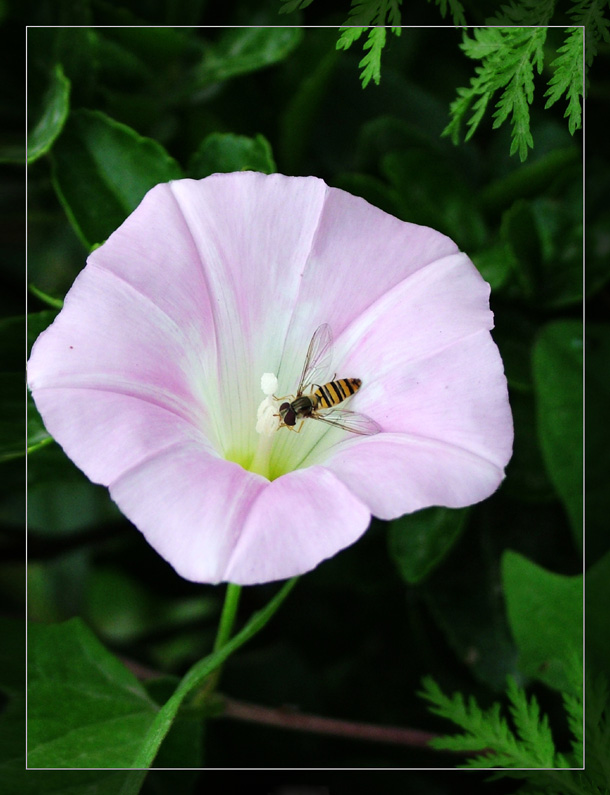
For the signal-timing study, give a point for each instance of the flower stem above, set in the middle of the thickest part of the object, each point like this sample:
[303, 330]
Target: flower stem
[199, 673]
[225, 627]
[227, 618]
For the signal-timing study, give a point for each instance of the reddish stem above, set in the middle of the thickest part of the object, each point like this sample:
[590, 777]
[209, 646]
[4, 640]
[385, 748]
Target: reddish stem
[289, 718]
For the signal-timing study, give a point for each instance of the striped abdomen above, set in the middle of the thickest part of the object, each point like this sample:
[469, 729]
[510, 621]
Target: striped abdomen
[335, 392]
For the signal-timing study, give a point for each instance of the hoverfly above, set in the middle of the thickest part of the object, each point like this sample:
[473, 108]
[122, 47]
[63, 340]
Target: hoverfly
[325, 396]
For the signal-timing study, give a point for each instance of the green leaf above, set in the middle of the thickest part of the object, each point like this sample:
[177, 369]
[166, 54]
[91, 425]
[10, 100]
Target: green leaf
[78, 50]
[243, 50]
[102, 170]
[519, 231]
[529, 179]
[597, 438]
[55, 112]
[597, 732]
[597, 596]
[183, 745]
[12, 388]
[158, 47]
[85, 709]
[524, 12]
[495, 264]
[545, 236]
[463, 596]
[545, 613]
[557, 363]
[12, 717]
[288, 6]
[123, 610]
[61, 499]
[433, 194]
[526, 477]
[420, 541]
[224, 152]
[301, 114]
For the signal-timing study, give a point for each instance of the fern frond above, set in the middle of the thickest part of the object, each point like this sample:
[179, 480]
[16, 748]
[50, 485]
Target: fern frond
[597, 726]
[362, 15]
[456, 9]
[288, 6]
[590, 13]
[533, 729]
[568, 77]
[530, 745]
[508, 58]
[524, 12]
[371, 63]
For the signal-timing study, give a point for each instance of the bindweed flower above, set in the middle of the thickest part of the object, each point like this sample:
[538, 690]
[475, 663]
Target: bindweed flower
[162, 375]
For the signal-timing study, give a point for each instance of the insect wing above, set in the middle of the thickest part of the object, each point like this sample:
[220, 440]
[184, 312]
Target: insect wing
[317, 360]
[350, 421]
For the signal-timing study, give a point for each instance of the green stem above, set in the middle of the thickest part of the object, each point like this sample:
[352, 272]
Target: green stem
[225, 627]
[198, 673]
[56, 303]
[227, 618]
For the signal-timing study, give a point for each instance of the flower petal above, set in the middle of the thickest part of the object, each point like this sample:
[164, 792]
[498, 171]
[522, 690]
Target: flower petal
[180, 498]
[150, 376]
[191, 506]
[120, 342]
[297, 521]
[416, 473]
[358, 255]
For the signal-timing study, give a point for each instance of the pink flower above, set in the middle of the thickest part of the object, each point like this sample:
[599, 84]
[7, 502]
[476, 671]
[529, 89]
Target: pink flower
[150, 377]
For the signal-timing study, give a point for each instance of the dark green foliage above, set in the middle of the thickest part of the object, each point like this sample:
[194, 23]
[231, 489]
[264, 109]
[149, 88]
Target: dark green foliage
[509, 58]
[444, 594]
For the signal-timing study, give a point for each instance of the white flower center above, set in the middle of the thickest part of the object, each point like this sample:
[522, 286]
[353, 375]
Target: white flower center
[267, 414]
[267, 423]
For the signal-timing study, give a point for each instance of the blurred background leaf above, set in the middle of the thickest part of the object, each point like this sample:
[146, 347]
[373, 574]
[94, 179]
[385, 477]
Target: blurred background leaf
[54, 114]
[102, 169]
[558, 375]
[545, 611]
[226, 152]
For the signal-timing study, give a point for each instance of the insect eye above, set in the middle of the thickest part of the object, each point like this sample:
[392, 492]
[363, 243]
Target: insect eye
[284, 406]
